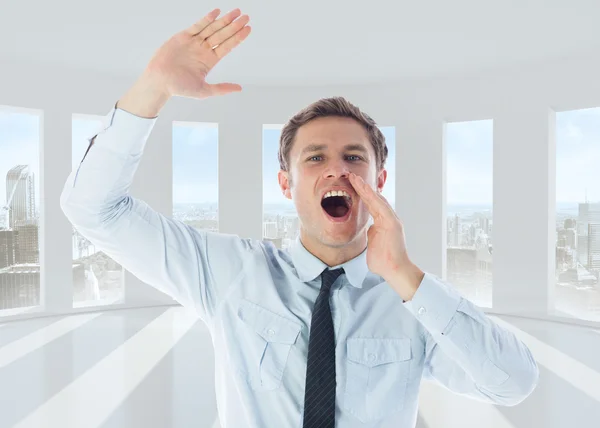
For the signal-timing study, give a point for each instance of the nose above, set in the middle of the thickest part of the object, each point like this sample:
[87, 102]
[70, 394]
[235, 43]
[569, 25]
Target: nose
[337, 169]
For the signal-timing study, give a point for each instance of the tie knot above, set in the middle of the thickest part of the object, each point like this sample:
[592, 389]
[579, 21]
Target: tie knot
[329, 276]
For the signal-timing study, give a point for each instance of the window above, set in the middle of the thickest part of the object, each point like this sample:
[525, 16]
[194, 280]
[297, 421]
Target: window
[389, 188]
[578, 214]
[19, 210]
[469, 156]
[196, 175]
[280, 219]
[97, 278]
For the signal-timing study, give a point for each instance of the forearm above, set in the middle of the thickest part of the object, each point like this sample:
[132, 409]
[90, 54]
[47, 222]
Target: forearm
[145, 98]
[471, 352]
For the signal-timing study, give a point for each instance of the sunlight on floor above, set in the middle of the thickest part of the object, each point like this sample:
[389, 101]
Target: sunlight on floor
[127, 365]
[39, 338]
[568, 368]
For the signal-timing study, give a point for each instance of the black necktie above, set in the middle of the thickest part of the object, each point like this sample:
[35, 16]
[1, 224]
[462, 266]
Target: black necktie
[319, 395]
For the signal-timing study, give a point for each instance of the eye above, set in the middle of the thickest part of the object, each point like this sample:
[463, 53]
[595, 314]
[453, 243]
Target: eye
[355, 156]
[312, 157]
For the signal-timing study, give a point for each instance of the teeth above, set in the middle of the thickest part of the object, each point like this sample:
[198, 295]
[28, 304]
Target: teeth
[337, 193]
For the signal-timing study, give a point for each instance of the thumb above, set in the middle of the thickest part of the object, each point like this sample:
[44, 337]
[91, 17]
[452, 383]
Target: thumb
[222, 88]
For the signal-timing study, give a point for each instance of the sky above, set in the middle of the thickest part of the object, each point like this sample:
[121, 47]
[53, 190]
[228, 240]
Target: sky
[195, 163]
[469, 157]
[578, 155]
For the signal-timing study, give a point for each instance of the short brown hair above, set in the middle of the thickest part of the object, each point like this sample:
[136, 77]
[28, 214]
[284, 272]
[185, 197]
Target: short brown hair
[325, 107]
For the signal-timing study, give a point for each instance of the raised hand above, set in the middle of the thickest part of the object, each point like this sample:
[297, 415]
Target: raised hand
[182, 63]
[386, 244]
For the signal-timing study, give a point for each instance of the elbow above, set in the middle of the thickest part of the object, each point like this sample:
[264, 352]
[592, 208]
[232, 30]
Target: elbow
[83, 214]
[519, 386]
[527, 384]
[64, 203]
[71, 210]
[88, 210]
[66, 206]
[66, 200]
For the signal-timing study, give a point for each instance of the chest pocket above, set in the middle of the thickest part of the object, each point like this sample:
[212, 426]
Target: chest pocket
[266, 346]
[377, 374]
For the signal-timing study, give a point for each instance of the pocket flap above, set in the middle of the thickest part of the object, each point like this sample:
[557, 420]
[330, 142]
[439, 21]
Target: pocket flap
[375, 351]
[271, 326]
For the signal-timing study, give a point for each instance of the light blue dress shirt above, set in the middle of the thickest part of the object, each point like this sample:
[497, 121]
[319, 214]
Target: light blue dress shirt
[257, 302]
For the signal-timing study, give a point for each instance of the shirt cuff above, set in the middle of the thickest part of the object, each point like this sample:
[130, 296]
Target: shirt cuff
[434, 304]
[124, 132]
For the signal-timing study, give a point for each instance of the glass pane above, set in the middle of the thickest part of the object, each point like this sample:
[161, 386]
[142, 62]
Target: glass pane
[196, 175]
[280, 218]
[97, 278]
[389, 188]
[469, 156]
[19, 211]
[578, 214]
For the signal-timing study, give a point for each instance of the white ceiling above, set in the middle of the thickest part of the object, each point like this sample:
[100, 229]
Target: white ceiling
[309, 41]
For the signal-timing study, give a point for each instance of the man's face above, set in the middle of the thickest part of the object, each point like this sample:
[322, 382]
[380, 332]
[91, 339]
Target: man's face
[324, 153]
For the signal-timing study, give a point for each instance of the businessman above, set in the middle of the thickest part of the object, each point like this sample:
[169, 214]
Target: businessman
[338, 331]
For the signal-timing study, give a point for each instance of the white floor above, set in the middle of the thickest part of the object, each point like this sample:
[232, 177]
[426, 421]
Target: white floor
[154, 368]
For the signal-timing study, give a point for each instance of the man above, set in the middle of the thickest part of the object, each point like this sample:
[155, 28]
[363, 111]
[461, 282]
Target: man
[340, 330]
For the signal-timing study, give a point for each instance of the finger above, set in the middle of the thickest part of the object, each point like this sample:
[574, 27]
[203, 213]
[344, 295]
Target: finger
[222, 88]
[215, 26]
[375, 204]
[232, 42]
[364, 192]
[203, 23]
[227, 31]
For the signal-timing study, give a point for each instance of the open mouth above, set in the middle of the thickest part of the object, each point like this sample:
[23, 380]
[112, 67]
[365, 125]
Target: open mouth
[337, 207]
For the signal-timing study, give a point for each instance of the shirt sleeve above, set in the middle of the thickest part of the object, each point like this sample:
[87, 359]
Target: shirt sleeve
[194, 267]
[467, 352]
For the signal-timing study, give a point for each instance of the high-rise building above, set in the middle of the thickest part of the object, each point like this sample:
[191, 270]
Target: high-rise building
[570, 223]
[19, 286]
[7, 248]
[588, 213]
[20, 196]
[27, 245]
[593, 246]
[270, 229]
[19, 245]
[484, 224]
[292, 228]
[456, 228]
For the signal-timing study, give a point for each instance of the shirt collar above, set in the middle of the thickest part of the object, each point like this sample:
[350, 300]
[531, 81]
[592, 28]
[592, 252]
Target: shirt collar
[310, 267]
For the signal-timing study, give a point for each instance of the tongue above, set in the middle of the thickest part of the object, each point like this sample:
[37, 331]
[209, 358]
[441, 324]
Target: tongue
[337, 211]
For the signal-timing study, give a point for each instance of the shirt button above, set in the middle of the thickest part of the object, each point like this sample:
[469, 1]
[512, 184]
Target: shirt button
[270, 332]
[422, 310]
[372, 357]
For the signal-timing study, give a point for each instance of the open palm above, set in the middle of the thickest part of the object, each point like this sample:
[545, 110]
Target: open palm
[183, 62]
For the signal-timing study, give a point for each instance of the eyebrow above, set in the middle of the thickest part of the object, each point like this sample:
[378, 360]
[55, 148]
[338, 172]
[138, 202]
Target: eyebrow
[316, 147]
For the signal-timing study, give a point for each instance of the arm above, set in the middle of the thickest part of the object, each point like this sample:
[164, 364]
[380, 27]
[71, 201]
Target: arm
[187, 264]
[191, 266]
[467, 352]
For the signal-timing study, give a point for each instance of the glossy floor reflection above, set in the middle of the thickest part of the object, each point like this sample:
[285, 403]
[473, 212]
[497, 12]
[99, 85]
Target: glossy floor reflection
[153, 368]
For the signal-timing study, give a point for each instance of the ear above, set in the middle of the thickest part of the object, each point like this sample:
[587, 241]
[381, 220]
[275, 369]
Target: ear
[381, 178]
[284, 183]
